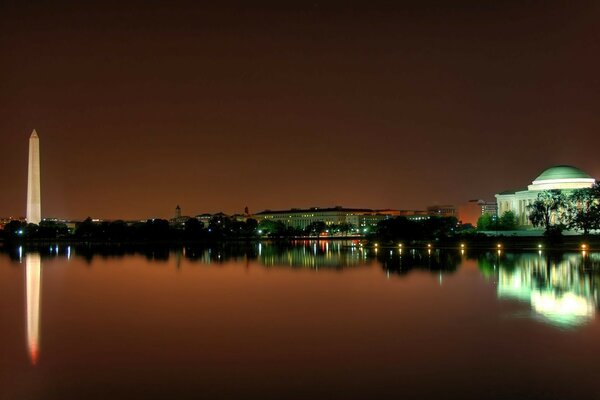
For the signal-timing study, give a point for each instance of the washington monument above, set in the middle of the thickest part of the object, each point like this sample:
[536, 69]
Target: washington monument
[34, 200]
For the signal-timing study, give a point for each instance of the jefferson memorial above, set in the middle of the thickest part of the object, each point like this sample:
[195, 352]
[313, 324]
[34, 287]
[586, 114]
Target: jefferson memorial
[562, 177]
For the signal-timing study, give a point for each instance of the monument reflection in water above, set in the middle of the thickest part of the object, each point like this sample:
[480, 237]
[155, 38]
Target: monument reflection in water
[33, 279]
[561, 289]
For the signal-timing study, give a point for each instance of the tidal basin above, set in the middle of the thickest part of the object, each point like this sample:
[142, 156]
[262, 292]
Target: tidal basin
[306, 320]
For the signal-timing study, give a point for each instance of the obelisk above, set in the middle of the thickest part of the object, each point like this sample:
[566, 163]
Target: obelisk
[34, 201]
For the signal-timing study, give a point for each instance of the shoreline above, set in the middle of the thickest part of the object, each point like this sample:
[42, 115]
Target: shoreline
[504, 243]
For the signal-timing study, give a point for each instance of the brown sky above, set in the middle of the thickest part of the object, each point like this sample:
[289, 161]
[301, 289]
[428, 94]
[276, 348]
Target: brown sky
[142, 106]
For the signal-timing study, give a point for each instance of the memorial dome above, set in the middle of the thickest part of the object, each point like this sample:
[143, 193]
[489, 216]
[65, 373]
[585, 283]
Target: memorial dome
[562, 177]
[562, 172]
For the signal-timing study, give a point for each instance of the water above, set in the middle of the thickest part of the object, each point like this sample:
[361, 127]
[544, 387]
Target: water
[314, 320]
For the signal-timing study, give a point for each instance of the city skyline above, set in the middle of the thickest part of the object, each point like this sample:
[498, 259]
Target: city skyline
[143, 107]
[34, 214]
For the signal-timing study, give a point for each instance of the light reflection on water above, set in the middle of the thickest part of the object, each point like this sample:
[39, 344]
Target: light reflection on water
[560, 291]
[33, 272]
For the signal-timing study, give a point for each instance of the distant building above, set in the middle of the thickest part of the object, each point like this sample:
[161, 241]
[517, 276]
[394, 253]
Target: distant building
[178, 219]
[240, 217]
[470, 212]
[441, 211]
[360, 218]
[561, 177]
[204, 219]
[414, 215]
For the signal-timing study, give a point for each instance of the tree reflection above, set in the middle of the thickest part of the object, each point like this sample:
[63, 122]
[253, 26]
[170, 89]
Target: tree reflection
[401, 261]
[562, 288]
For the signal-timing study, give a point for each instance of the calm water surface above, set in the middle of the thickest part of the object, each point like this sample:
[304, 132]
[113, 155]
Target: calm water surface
[315, 320]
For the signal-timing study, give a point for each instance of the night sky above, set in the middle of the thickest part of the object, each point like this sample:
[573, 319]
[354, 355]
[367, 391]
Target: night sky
[143, 106]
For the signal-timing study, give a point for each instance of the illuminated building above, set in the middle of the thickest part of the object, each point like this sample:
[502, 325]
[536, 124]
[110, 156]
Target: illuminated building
[561, 177]
[34, 202]
[301, 218]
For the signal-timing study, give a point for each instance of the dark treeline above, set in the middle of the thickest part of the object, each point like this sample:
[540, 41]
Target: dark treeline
[402, 229]
[446, 231]
[154, 230]
[278, 229]
[220, 227]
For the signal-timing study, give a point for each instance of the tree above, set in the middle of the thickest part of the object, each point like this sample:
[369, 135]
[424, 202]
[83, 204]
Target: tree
[193, 229]
[156, 229]
[584, 209]
[315, 228]
[250, 227]
[344, 228]
[267, 227]
[484, 222]
[14, 229]
[488, 222]
[548, 211]
[220, 225]
[52, 229]
[508, 221]
[86, 229]
[439, 227]
[399, 228]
